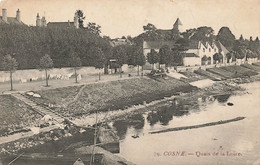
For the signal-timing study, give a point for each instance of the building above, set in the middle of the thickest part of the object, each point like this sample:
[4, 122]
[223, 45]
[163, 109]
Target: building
[4, 19]
[201, 53]
[156, 45]
[120, 41]
[196, 53]
[68, 24]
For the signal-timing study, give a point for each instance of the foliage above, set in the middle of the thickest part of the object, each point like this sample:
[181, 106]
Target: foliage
[149, 27]
[81, 18]
[226, 37]
[153, 57]
[120, 54]
[46, 62]
[9, 63]
[203, 33]
[164, 54]
[29, 44]
[100, 57]
[94, 28]
[139, 56]
[74, 60]
[217, 56]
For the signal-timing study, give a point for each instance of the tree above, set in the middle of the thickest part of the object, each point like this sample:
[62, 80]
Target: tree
[153, 57]
[94, 28]
[119, 53]
[139, 58]
[149, 27]
[75, 62]
[176, 58]
[203, 33]
[164, 53]
[229, 55]
[46, 63]
[99, 60]
[217, 57]
[81, 18]
[10, 64]
[226, 37]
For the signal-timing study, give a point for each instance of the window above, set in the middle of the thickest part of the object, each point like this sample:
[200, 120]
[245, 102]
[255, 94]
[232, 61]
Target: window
[203, 49]
[209, 50]
[215, 49]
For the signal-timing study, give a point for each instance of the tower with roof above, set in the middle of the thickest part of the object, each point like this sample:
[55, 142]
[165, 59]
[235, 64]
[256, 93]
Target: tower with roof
[177, 26]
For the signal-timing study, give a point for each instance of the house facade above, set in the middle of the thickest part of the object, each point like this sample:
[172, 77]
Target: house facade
[201, 53]
[198, 53]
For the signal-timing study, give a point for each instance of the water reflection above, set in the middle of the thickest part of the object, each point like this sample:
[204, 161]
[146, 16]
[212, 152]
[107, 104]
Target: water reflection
[222, 98]
[164, 115]
[136, 121]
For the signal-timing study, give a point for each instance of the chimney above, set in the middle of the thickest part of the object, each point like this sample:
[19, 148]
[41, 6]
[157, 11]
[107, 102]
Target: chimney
[76, 21]
[18, 15]
[4, 15]
[38, 20]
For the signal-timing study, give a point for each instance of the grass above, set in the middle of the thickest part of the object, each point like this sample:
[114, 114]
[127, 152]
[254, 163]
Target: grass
[252, 67]
[240, 71]
[257, 64]
[113, 95]
[209, 75]
[221, 72]
[191, 76]
[15, 115]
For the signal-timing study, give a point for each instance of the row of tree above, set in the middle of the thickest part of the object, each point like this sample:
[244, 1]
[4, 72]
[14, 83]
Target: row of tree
[121, 55]
[166, 55]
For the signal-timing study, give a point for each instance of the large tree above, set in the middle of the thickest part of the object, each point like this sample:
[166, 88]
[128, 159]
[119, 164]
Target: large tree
[226, 37]
[10, 64]
[203, 33]
[46, 63]
[75, 62]
[153, 57]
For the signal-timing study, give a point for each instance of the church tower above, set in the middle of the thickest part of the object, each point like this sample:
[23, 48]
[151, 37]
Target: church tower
[177, 26]
[38, 20]
[76, 21]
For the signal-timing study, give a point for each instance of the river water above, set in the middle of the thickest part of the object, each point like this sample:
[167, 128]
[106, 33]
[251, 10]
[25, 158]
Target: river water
[231, 143]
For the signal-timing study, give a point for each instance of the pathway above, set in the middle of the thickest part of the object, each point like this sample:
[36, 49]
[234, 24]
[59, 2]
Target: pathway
[38, 108]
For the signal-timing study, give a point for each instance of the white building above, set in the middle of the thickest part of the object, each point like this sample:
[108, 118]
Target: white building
[198, 50]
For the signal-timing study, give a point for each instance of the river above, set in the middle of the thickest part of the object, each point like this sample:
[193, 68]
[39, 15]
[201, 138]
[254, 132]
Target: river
[231, 143]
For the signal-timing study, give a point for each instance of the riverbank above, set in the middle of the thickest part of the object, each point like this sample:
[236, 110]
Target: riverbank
[119, 99]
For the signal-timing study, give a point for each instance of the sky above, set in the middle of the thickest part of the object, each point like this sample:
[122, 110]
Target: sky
[119, 18]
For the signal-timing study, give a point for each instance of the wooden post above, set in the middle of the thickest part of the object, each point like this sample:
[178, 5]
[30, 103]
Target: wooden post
[11, 80]
[95, 141]
[76, 76]
[46, 77]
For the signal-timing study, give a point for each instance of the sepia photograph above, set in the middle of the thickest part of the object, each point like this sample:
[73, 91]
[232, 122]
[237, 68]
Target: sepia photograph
[129, 82]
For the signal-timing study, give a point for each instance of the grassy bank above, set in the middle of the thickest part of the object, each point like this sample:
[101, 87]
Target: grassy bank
[15, 115]
[112, 95]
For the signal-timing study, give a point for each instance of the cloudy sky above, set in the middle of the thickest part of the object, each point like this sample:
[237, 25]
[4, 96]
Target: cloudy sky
[127, 17]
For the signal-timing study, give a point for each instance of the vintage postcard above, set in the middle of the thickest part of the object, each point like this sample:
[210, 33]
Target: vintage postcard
[124, 82]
